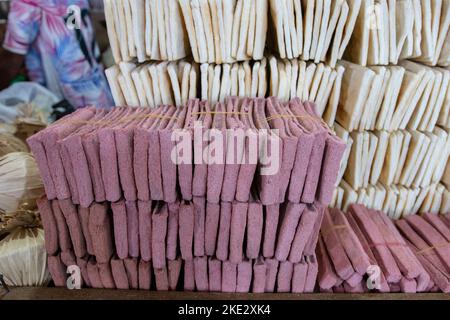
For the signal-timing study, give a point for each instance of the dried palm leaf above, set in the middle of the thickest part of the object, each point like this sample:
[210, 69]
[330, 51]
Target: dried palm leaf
[10, 144]
[19, 180]
[23, 260]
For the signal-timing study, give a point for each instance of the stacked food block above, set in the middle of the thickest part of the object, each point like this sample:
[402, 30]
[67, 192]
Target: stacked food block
[238, 208]
[317, 30]
[226, 31]
[388, 31]
[308, 81]
[407, 96]
[363, 251]
[152, 84]
[398, 148]
[395, 117]
[428, 238]
[241, 79]
[146, 30]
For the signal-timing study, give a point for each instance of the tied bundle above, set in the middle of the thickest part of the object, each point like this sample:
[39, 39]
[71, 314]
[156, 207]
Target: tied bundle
[187, 245]
[19, 180]
[121, 208]
[388, 31]
[10, 144]
[362, 251]
[23, 260]
[429, 238]
[98, 155]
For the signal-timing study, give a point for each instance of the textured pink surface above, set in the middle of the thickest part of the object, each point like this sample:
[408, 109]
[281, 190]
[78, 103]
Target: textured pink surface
[94, 275]
[145, 275]
[124, 145]
[119, 274]
[334, 151]
[237, 231]
[216, 171]
[120, 228]
[100, 227]
[247, 170]
[140, 164]
[65, 242]
[303, 233]
[50, 227]
[106, 277]
[244, 276]
[82, 263]
[284, 280]
[145, 230]
[109, 165]
[172, 232]
[161, 279]
[327, 276]
[439, 225]
[74, 147]
[70, 174]
[352, 246]
[131, 267]
[133, 228]
[270, 230]
[299, 277]
[433, 237]
[215, 275]
[255, 224]
[200, 177]
[186, 232]
[287, 231]
[68, 258]
[311, 275]
[211, 228]
[229, 277]
[259, 276]
[201, 274]
[189, 275]
[186, 170]
[76, 233]
[233, 155]
[83, 215]
[91, 148]
[159, 233]
[174, 269]
[57, 270]
[269, 185]
[199, 226]
[37, 148]
[223, 239]
[383, 255]
[336, 251]
[271, 275]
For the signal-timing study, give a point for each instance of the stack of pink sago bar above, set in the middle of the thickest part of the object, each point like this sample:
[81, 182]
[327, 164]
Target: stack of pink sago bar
[122, 206]
[364, 250]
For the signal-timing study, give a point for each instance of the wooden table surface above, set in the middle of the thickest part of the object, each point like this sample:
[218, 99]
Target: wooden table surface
[92, 294]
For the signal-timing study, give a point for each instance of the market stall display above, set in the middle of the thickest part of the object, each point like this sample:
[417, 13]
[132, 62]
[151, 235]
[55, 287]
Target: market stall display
[227, 211]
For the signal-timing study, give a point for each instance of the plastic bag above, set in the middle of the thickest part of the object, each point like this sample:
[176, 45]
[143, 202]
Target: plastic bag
[25, 93]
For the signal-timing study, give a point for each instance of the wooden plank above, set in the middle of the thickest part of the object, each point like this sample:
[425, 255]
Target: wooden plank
[92, 294]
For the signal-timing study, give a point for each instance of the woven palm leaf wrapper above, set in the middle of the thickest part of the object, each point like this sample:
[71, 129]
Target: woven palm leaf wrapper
[23, 259]
[8, 128]
[19, 181]
[30, 121]
[10, 144]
